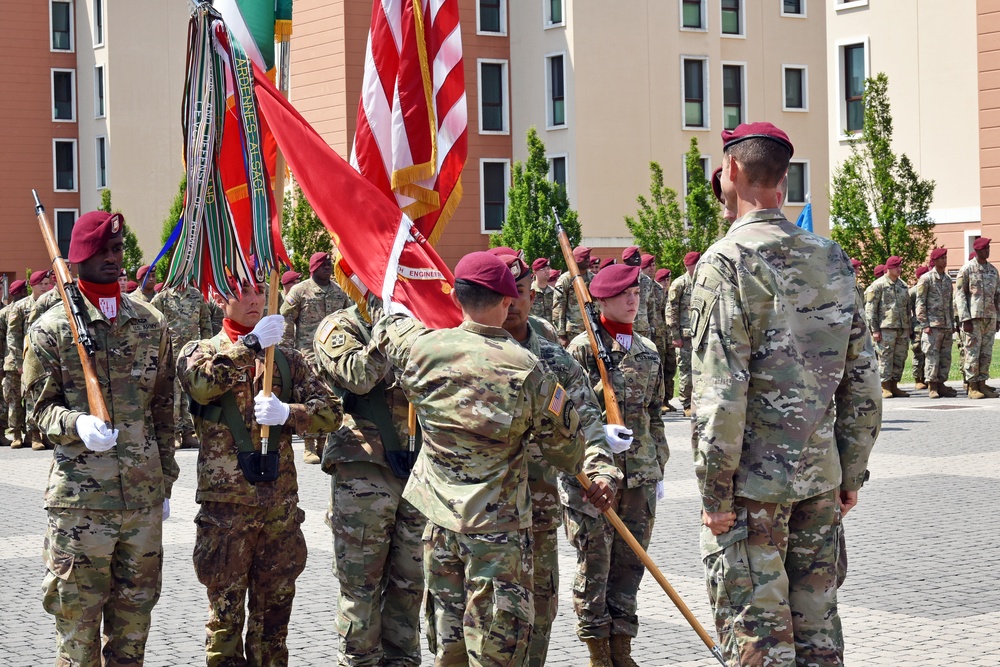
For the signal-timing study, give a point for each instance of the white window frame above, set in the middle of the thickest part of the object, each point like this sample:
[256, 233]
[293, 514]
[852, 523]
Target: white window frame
[805, 88]
[503, 21]
[840, 45]
[482, 191]
[548, 92]
[849, 4]
[969, 236]
[707, 102]
[546, 16]
[52, 92]
[504, 78]
[743, 88]
[804, 14]
[551, 157]
[807, 190]
[704, 17]
[743, 22]
[99, 8]
[97, 162]
[72, 28]
[684, 172]
[55, 219]
[76, 165]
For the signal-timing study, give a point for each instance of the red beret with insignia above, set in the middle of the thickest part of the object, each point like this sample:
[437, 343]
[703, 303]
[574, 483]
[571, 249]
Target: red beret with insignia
[289, 277]
[632, 255]
[581, 253]
[982, 243]
[758, 130]
[17, 286]
[647, 261]
[894, 262]
[540, 263]
[91, 232]
[879, 271]
[692, 258]
[938, 253]
[662, 274]
[37, 277]
[614, 280]
[717, 184]
[317, 260]
[921, 270]
[502, 250]
[516, 265]
[486, 270]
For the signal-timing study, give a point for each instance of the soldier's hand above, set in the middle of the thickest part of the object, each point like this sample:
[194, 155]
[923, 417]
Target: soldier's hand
[601, 493]
[678, 343]
[166, 508]
[618, 438]
[877, 336]
[718, 522]
[661, 490]
[269, 330]
[269, 410]
[848, 499]
[967, 326]
[96, 435]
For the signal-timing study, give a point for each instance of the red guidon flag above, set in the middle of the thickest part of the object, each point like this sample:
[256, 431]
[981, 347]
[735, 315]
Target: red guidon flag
[378, 242]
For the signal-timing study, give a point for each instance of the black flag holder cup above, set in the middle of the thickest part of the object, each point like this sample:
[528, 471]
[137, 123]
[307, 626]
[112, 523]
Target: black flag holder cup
[258, 467]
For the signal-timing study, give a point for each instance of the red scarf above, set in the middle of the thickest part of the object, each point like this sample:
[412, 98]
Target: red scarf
[234, 329]
[620, 331]
[106, 297]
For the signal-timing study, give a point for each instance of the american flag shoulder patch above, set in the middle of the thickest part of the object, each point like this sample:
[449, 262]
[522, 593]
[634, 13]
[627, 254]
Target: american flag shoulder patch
[558, 401]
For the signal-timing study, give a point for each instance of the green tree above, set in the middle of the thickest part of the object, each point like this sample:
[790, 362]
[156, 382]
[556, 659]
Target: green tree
[879, 205]
[176, 208]
[302, 231]
[132, 259]
[529, 225]
[702, 211]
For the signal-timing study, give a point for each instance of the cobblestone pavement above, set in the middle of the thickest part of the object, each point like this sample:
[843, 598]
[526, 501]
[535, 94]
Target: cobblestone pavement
[922, 544]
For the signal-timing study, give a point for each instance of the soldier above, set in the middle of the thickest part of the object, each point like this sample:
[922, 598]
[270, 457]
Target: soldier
[566, 316]
[918, 353]
[17, 291]
[108, 484]
[856, 267]
[304, 307]
[544, 292]
[977, 294]
[879, 271]
[644, 318]
[605, 263]
[289, 279]
[123, 281]
[664, 347]
[249, 537]
[887, 312]
[18, 318]
[678, 314]
[784, 423]
[478, 394]
[146, 293]
[376, 533]
[186, 312]
[934, 314]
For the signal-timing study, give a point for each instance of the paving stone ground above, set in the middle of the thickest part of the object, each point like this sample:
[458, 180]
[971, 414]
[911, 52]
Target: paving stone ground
[921, 587]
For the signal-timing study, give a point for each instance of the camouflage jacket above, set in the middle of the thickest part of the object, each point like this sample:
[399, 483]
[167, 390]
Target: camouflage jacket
[645, 318]
[566, 316]
[207, 369]
[678, 309]
[887, 305]
[305, 307]
[934, 304]
[344, 360]
[3, 334]
[135, 367]
[786, 384]
[543, 301]
[638, 382]
[186, 312]
[50, 299]
[478, 394]
[977, 291]
[18, 314]
[543, 328]
[215, 315]
[139, 296]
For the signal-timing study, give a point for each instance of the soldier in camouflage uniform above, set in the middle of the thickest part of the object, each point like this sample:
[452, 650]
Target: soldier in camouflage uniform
[478, 394]
[17, 291]
[677, 314]
[107, 489]
[17, 326]
[784, 424]
[544, 292]
[977, 294]
[664, 347]
[645, 319]
[934, 314]
[144, 293]
[919, 375]
[190, 319]
[887, 312]
[249, 538]
[608, 571]
[565, 313]
[376, 534]
[304, 307]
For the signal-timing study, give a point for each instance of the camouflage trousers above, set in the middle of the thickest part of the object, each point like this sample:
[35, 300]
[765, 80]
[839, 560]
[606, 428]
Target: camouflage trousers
[668, 353]
[479, 602]
[936, 347]
[892, 354]
[248, 558]
[919, 360]
[772, 582]
[608, 572]
[102, 565]
[684, 373]
[15, 401]
[377, 559]
[545, 552]
[977, 353]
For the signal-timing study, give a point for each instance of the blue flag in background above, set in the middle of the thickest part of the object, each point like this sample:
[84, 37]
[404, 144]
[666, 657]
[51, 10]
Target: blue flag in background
[805, 220]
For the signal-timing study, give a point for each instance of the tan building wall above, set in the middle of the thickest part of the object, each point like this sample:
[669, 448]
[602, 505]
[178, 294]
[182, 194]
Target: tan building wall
[988, 47]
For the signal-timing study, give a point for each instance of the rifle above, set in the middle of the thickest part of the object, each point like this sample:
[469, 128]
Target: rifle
[614, 416]
[76, 311]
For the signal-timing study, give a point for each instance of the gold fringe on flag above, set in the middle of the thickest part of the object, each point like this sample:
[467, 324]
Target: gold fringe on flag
[282, 28]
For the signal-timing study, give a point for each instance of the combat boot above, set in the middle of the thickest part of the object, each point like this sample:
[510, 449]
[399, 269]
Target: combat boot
[37, 443]
[946, 391]
[17, 440]
[988, 390]
[974, 392]
[896, 391]
[920, 384]
[600, 652]
[621, 651]
[933, 391]
[687, 412]
[887, 390]
[310, 456]
[667, 407]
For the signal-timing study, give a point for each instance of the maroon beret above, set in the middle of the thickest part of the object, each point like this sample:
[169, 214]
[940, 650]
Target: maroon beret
[972, 254]
[141, 273]
[131, 286]
[982, 243]
[540, 263]
[486, 270]
[614, 280]
[554, 274]
[37, 277]
[17, 286]
[855, 264]
[502, 250]
[879, 270]
[595, 261]
[609, 261]
[90, 233]
[289, 277]
[317, 259]
[921, 270]
[647, 260]
[938, 253]
[581, 253]
[158, 287]
[692, 258]
[517, 266]
[894, 262]
[717, 184]
[758, 130]
[632, 256]
[661, 274]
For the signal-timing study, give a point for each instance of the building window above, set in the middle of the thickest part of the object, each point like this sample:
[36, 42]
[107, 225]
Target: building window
[732, 96]
[795, 88]
[850, 4]
[557, 171]
[554, 11]
[493, 96]
[692, 14]
[99, 92]
[63, 94]
[61, 16]
[695, 86]
[798, 183]
[98, 22]
[64, 157]
[793, 8]
[854, 87]
[732, 17]
[102, 163]
[557, 91]
[494, 180]
[65, 218]
[492, 17]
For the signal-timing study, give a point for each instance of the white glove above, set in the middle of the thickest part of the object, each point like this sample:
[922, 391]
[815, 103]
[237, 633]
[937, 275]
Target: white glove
[613, 434]
[661, 491]
[95, 433]
[166, 508]
[269, 410]
[269, 330]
